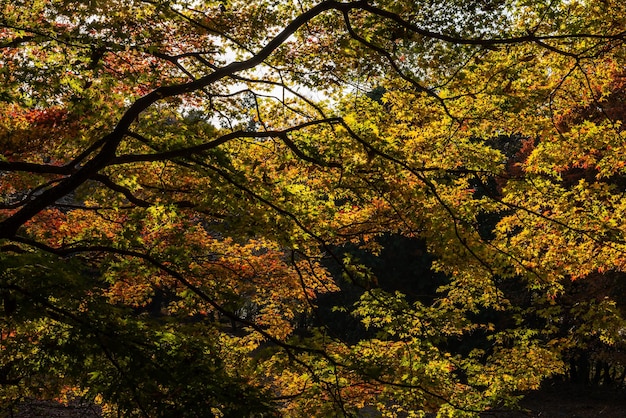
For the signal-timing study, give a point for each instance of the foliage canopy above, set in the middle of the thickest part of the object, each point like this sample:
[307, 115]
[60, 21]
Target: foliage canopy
[188, 187]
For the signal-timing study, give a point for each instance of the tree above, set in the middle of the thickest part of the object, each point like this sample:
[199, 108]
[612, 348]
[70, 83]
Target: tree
[175, 198]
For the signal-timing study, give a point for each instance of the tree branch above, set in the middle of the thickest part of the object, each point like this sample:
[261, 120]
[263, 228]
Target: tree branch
[111, 141]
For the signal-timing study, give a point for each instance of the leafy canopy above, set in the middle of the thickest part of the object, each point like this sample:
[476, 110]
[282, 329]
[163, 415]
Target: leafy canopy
[187, 185]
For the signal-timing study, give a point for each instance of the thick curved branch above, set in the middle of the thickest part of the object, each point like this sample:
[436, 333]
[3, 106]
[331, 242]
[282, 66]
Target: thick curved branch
[194, 150]
[111, 141]
[485, 42]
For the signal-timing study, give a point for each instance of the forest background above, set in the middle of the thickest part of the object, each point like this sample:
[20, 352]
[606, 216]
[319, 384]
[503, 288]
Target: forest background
[302, 208]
